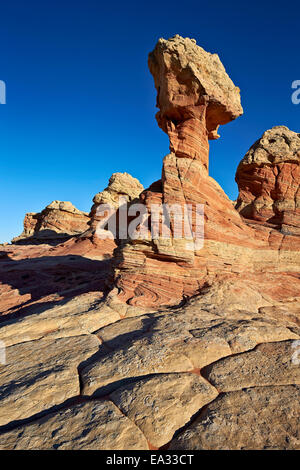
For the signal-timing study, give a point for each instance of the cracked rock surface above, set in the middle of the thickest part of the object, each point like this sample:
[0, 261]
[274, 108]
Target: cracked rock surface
[148, 381]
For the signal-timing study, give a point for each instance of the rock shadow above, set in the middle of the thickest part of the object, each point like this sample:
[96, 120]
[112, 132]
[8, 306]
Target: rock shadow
[54, 278]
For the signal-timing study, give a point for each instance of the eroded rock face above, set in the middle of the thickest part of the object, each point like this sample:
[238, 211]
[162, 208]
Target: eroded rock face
[120, 184]
[136, 382]
[183, 341]
[57, 222]
[59, 254]
[195, 95]
[268, 178]
[266, 365]
[33, 276]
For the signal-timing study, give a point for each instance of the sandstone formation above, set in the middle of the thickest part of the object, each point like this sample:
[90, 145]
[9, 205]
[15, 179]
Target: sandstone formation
[186, 340]
[122, 189]
[59, 254]
[120, 185]
[162, 404]
[266, 365]
[195, 95]
[268, 178]
[96, 425]
[164, 343]
[56, 223]
[39, 276]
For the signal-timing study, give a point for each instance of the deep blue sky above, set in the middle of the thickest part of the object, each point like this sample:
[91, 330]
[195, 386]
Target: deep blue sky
[81, 101]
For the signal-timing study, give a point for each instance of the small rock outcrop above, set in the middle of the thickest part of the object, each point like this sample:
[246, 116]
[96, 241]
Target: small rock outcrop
[120, 184]
[57, 222]
[268, 178]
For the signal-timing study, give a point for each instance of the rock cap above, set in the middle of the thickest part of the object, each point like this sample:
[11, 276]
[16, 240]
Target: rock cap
[185, 74]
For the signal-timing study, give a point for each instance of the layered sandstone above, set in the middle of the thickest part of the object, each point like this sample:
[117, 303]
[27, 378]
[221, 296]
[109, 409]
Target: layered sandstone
[268, 178]
[195, 96]
[181, 377]
[34, 277]
[265, 418]
[119, 185]
[57, 222]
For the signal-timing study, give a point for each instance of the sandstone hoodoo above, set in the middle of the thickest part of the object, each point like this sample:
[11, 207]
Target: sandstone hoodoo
[195, 95]
[58, 221]
[268, 178]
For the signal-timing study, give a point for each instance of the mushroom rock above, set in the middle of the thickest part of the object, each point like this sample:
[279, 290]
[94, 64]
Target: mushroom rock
[268, 178]
[194, 96]
[59, 221]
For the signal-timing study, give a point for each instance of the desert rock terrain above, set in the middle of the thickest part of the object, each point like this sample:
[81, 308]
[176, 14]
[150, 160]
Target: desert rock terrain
[155, 343]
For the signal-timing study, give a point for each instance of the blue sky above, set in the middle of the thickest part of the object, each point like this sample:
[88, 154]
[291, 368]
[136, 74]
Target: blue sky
[81, 101]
